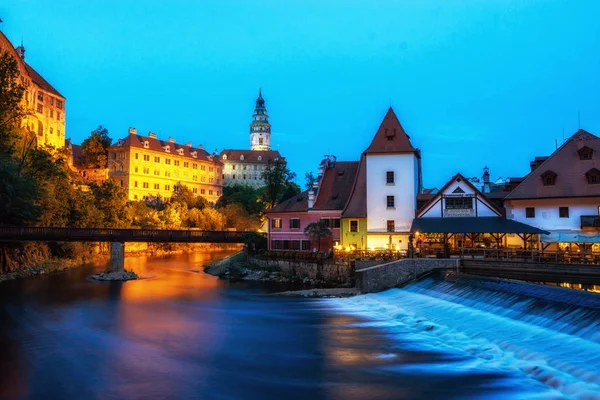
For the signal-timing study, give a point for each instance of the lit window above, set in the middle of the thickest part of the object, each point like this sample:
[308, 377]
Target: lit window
[276, 223]
[40, 108]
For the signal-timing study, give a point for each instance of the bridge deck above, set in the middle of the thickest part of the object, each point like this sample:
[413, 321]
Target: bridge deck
[23, 234]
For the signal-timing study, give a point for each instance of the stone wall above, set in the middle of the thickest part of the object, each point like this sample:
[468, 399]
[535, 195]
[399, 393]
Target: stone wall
[377, 278]
[338, 272]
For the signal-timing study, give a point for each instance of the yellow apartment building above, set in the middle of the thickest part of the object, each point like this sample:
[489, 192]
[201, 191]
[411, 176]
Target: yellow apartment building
[45, 105]
[146, 166]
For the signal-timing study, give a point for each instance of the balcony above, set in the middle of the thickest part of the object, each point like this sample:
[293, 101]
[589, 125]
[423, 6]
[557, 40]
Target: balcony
[590, 222]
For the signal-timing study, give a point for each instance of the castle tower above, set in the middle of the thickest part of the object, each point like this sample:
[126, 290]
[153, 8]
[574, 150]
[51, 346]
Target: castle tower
[260, 129]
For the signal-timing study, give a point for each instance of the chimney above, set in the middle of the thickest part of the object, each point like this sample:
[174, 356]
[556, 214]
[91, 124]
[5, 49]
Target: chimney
[171, 140]
[132, 131]
[21, 50]
[152, 135]
[188, 144]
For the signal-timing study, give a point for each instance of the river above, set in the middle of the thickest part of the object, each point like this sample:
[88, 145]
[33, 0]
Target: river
[181, 334]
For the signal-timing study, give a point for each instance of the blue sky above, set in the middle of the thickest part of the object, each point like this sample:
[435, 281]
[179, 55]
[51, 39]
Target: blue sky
[474, 82]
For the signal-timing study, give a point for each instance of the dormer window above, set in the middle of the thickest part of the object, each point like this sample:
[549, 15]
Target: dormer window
[168, 149]
[194, 154]
[146, 144]
[180, 151]
[585, 153]
[390, 134]
[242, 157]
[593, 176]
[224, 156]
[549, 178]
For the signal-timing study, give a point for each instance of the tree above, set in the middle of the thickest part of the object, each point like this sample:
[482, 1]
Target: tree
[207, 219]
[185, 195]
[19, 195]
[310, 179]
[317, 231]
[111, 199]
[238, 218]
[246, 196]
[11, 94]
[95, 148]
[276, 176]
[291, 191]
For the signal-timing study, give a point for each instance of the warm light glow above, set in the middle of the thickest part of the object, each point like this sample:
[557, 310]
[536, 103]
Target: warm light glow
[417, 233]
[348, 248]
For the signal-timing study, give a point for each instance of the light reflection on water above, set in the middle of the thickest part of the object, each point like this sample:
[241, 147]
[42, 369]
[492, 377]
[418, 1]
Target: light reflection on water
[182, 334]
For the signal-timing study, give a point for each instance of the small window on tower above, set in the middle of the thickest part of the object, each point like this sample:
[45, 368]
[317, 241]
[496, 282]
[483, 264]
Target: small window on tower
[260, 141]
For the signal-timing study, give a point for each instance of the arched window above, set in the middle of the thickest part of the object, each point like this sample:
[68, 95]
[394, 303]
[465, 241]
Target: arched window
[242, 157]
[224, 157]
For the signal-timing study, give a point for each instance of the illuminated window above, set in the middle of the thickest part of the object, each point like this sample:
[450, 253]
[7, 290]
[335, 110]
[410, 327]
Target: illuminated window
[276, 223]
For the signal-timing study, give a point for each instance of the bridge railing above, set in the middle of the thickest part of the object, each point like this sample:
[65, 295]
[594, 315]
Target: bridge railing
[117, 234]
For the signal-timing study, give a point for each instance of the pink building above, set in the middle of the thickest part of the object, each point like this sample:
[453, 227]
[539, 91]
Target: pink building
[325, 201]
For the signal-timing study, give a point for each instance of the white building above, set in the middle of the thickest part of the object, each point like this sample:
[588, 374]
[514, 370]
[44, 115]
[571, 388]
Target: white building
[562, 193]
[393, 180]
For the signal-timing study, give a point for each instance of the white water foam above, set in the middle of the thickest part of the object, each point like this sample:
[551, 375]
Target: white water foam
[493, 333]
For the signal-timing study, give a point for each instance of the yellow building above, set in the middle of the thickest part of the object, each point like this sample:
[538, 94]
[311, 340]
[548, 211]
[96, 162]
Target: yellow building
[146, 166]
[45, 105]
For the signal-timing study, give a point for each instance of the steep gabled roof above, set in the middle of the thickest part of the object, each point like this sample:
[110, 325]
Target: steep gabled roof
[390, 137]
[456, 178]
[357, 204]
[335, 186]
[133, 140]
[41, 82]
[569, 169]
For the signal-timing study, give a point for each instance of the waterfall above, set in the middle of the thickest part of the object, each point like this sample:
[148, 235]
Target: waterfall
[547, 333]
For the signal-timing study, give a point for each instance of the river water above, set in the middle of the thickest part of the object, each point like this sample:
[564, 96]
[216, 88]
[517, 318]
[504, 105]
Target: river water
[182, 334]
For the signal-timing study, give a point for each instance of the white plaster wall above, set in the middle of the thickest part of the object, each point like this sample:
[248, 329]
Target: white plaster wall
[379, 242]
[404, 191]
[483, 209]
[547, 215]
[434, 210]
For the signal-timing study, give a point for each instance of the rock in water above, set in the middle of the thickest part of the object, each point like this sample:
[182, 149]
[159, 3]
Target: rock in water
[115, 276]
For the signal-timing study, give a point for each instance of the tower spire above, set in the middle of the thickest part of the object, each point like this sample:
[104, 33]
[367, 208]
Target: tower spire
[260, 129]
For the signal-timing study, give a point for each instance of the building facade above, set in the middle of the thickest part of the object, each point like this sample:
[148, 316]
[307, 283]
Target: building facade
[246, 167]
[85, 174]
[146, 166]
[46, 118]
[562, 193]
[323, 202]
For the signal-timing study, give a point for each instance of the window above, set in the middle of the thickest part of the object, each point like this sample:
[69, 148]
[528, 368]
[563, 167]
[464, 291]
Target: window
[40, 108]
[167, 187]
[157, 159]
[529, 212]
[195, 177]
[585, 153]
[390, 134]
[203, 168]
[157, 172]
[145, 185]
[563, 212]
[391, 225]
[389, 177]
[51, 100]
[40, 96]
[390, 202]
[593, 176]
[211, 169]
[353, 225]
[146, 157]
[326, 222]
[211, 180]
[146, 170]
[459, 203]
[135, 184]
[58, 115]
[244, 176]
[306, 245]
[195, 190]
[210, 192]
[202, 179]
[233, 167]
[51, 113]
[295, 223]
[167, 173]
[549, 178]
[168, 161]
[276, 223]
[336, 223]
[137, 156]
[176, 163]
[40, 129]
[58, 131]
[51, 131]
[202, 191]
[194, 166]
[59, 104]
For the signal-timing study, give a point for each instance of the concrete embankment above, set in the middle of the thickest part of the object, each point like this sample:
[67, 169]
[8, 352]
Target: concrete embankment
[528, 271]
[376, 278]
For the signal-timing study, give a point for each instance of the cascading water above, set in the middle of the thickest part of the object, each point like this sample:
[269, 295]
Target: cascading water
[549, 334]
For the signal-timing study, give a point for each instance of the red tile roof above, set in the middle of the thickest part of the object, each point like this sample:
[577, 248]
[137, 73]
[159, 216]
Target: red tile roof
[335, 186]
[357, 204]
[134, 140]
[390, 137]
[250, 156]
[41, 82]
[298, 203]
[570, 169]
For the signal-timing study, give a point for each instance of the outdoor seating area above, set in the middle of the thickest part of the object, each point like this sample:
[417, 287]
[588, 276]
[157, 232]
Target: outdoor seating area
[574, 256]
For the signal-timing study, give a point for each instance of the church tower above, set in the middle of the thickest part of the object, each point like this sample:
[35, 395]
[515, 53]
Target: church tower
[260, 129]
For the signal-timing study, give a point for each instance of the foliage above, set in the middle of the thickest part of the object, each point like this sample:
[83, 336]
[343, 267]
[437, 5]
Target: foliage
[95, 148]
[111, 200]
[317, 231]
[18, 197]
[276, 176]
[185, 195]
[255, 242]
[11, 93]
[237, 217]
[246, 196]
[310, 179]
[291, 191]
[206, 219]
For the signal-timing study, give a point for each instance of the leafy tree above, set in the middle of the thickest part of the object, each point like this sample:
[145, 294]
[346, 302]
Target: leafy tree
[206, 219]
[95, 148]
[276, 176]
[238, 218]
[185, 195]
[111, 200]
[255, 242]
[19, 195]
[246, 196]
[310, 179]
[291, 191]
[317, 231]
[11, 94]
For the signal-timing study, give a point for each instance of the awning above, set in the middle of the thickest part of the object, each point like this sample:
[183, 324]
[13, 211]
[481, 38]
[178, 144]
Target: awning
[571, 237]
[472, 225]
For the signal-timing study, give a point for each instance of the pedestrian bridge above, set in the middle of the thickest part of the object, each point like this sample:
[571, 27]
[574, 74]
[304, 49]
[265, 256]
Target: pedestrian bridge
[39, 234]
